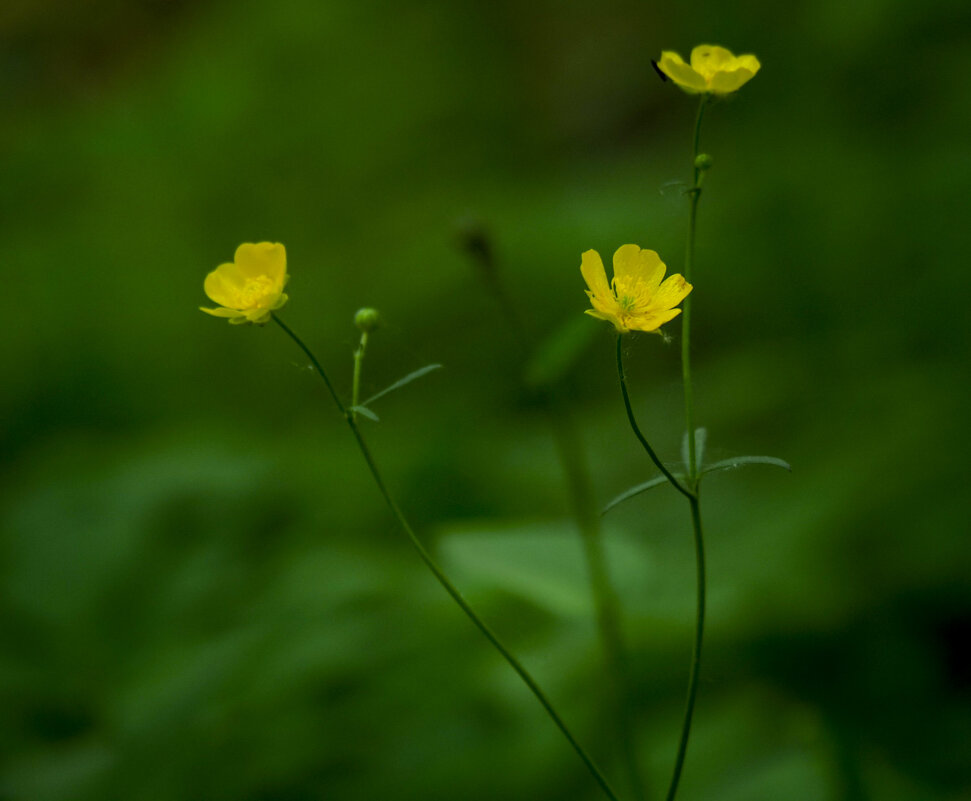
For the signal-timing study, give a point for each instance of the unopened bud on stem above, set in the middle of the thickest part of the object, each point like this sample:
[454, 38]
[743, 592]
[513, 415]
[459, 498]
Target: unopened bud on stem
[367, 319]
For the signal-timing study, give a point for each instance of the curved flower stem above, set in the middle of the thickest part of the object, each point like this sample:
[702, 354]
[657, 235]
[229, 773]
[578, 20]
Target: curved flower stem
[693, 466]
[689, 494]
[442, 578]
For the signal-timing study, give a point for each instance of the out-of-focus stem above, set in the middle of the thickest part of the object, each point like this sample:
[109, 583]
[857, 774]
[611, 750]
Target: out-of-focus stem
[569, 449]
[450, 588]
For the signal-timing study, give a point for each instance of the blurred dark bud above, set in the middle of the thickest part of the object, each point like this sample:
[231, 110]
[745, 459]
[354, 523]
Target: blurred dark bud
[474, 240]
[703, 161]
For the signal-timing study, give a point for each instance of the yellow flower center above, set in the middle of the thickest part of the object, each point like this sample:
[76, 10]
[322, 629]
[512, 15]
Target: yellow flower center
[631, 294]
[256, 293]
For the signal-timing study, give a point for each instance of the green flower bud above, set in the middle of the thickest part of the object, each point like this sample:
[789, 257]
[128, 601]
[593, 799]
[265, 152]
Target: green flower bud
[703, 161]
[367, 319]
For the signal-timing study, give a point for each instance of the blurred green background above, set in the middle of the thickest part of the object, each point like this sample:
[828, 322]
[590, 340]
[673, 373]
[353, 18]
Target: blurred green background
[201, 593]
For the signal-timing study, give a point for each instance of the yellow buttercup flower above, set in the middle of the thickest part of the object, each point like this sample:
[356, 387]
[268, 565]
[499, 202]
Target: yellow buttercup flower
[250, 287]
[713, 70]
[636, 299]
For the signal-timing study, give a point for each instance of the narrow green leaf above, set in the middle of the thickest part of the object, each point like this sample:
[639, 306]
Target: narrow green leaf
[638, 489]
[365, 412]
[740, 461]
[402, 381]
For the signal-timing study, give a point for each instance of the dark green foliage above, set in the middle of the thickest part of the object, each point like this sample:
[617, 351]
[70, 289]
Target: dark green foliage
[201, 593]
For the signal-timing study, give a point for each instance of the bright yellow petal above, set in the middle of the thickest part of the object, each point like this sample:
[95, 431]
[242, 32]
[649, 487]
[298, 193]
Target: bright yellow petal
[223, 285]
[748, 62]
[709, 59]
[258, 315]
[672, 65]
[627, 264]
[726, 82]
[653, 321]
[221, 312]
[592, 269]
[632, 265]
[657, 270]
[262, 258]
[670, 57]
[670, 293]
[610, 318]
[606, 305]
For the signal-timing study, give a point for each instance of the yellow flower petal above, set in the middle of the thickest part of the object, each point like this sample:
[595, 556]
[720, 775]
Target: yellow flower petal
[221, 312]
[653, 321]
[709, 59]
[610, 318]
[748, 62]
[223, 285]
[725, 82]
[631, 264]
[670, 57]
[627, 263]
[672, 65]
[592, 269]
[262, 258]
[598, 314]
[257, 315]
[671, 292]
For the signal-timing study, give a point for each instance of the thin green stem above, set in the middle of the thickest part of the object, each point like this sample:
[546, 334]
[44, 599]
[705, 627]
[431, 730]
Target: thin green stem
[695, 194]
[358, 362]
[693, 466]
[702, 105]
[689, 494]
[689, 706]
[443, 579]
[313, 360]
